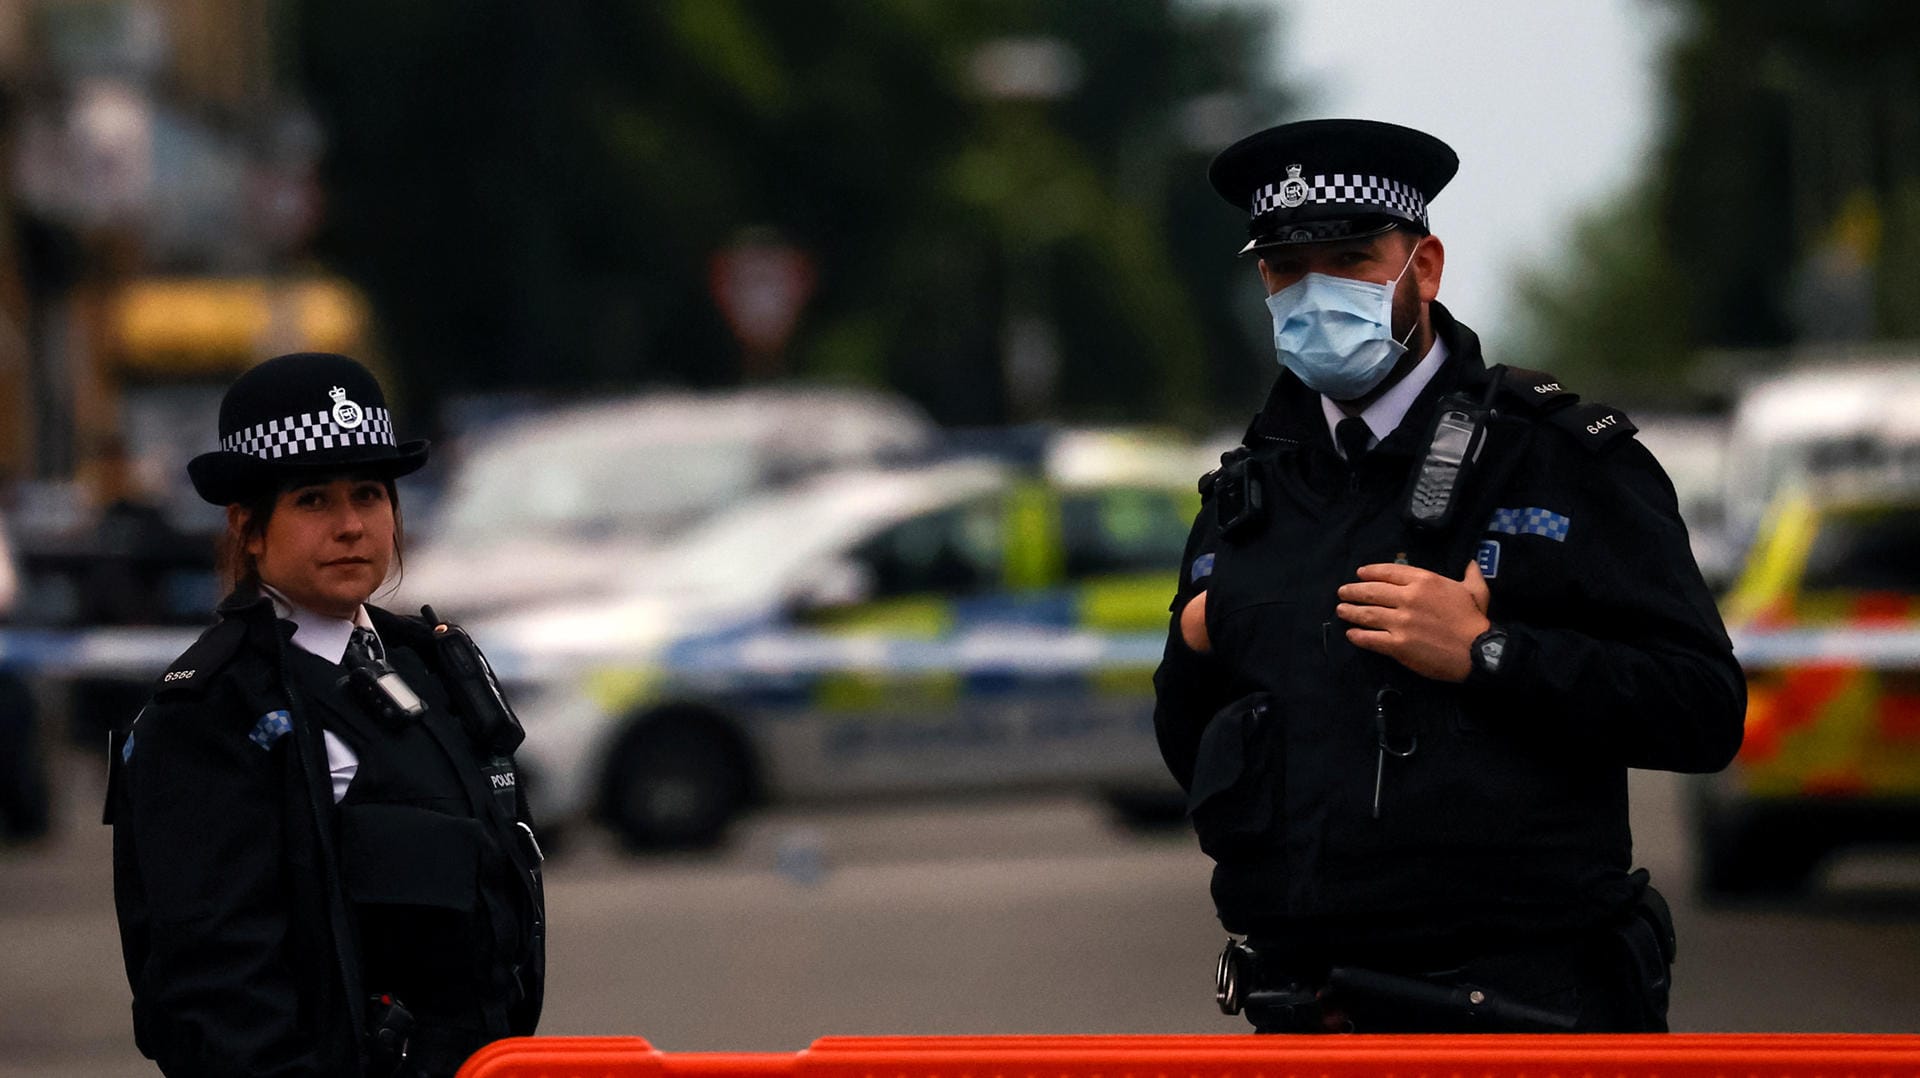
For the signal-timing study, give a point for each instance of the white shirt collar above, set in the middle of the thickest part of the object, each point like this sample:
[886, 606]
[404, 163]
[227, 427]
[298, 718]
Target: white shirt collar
[316, 633]
[1385, 414]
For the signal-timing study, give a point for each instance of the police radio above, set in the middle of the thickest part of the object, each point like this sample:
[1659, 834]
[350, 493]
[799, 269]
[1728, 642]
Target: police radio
[1453, 447]
[483, 708]
[490, 719]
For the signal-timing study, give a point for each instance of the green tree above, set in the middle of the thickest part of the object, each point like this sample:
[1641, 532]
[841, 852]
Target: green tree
[1792, 149]
[531, 193]
[1612, 319]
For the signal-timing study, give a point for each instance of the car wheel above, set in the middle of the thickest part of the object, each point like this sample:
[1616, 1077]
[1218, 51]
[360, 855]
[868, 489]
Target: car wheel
[677, 779]
[1748, 850]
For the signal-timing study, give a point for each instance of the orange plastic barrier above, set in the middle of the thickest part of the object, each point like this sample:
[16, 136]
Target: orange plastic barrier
[1706, 1055]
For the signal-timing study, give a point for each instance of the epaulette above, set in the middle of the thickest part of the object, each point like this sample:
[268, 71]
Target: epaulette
[1595, 426]
[1535, 391]
[195, 668]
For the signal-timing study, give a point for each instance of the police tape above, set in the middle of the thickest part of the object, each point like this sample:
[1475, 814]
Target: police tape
[1882, 649]
[142, 653]
[130, 653]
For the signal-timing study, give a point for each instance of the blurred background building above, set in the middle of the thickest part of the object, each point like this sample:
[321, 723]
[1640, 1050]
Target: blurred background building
[161, 194]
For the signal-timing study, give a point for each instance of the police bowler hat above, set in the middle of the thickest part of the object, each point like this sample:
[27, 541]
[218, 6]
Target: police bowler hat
[1319, 180]
[298, 416]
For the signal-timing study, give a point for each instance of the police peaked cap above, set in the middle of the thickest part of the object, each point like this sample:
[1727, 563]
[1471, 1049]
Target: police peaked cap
[1318, 180]
[299, 416]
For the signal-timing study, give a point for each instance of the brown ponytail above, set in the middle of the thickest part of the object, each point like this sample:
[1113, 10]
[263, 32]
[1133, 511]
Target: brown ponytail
[236, 567]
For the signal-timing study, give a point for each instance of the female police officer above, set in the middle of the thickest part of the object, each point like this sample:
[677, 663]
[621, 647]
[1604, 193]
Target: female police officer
[322, 864]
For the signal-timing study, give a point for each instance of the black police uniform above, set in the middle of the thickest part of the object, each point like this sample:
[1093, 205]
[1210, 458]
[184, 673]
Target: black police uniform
[260, 921]
[1485, 848]
[267, 929]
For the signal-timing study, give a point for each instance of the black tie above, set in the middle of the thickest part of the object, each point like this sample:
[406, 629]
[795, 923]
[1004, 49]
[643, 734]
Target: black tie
[1353, 434]
[363, 649]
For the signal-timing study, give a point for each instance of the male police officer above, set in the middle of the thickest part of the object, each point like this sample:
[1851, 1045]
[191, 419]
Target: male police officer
[1428, 616]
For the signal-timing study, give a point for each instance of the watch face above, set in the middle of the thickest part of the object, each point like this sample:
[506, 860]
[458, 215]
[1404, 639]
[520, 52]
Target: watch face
[1491, 648]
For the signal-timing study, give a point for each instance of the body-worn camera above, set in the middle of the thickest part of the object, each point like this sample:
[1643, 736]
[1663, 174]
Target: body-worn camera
[383, 691]
[1239, 500]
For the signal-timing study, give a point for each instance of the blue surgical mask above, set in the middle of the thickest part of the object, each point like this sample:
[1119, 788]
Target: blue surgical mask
[1336, 333]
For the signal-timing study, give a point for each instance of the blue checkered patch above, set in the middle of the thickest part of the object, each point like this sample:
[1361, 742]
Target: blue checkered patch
[1542, 522]
[1202, 566]
[270, 728]
[126, 748]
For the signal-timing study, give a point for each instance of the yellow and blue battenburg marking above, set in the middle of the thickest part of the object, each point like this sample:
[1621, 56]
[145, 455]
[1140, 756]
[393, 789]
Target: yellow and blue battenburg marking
[1541, 522]
[271, 727]
[850, 667]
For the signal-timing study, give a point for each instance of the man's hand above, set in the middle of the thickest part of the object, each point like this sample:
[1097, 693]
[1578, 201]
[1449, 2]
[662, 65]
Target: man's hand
[1422, 620]
[1193, 624]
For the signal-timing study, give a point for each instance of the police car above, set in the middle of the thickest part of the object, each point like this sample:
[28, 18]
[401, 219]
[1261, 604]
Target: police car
[1831, 419]
[957, 626]
[1826, 621]
[552, 502]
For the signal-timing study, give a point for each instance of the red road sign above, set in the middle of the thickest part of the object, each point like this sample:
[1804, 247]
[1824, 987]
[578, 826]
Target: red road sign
[760, 287]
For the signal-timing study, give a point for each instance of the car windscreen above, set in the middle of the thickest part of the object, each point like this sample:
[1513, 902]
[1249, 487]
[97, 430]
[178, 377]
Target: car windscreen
[1866, 550]
[770, 541]
[1118, 530]
[759, 547]
[565, 487]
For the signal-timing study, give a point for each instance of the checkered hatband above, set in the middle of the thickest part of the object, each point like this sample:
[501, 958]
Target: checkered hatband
[1341, 189]
[308, 431]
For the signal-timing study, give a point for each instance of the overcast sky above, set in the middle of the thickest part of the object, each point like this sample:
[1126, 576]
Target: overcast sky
[1551, 105]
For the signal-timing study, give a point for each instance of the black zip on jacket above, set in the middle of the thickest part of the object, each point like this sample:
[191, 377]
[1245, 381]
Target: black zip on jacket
[1508, 820]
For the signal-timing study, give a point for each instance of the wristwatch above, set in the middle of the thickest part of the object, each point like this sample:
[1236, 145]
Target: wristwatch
[1489, 648]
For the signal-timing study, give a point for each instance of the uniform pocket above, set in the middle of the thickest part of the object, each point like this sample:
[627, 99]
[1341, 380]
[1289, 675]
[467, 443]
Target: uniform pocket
[1237, 779]
[401, 855]
[413, 877]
